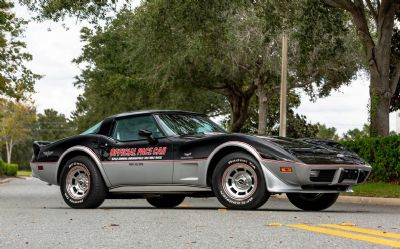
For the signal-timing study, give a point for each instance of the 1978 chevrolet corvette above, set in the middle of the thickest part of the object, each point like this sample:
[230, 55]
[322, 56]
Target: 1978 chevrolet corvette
[165, 156]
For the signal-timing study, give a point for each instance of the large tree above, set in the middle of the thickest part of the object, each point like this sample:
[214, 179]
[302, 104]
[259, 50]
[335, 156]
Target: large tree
[231, 48]
[16, 119]
[51, 126]
[375, 24]
[16, 80]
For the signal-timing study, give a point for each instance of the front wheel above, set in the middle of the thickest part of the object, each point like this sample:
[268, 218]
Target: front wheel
[166, 201]
[312, 202]
[239, 183]
[81, 183]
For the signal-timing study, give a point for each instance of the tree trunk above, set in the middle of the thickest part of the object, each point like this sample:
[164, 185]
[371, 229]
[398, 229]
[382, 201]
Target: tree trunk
[9, 148]
[240, 109]
[379, 107]
[378, 55]
[262, 110]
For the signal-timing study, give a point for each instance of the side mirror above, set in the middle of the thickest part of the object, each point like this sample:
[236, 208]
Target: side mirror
[147, 134]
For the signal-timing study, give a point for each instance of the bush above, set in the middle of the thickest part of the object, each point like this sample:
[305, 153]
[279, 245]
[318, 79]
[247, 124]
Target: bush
[2, 167]
[383, 153]
[11, 169]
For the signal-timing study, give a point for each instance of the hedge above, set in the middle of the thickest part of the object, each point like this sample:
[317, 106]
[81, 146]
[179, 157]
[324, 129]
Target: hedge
[2, 167]
[383, 153]
[9, 169]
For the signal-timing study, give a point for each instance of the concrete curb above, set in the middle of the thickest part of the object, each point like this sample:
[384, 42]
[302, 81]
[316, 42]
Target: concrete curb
[361, 200]
[9, 179]
[6, 180]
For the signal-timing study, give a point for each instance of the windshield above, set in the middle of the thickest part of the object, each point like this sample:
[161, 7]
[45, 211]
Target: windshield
[187, 124]
[92, 130]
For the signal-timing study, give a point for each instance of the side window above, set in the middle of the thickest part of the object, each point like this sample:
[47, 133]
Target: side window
[127, 129]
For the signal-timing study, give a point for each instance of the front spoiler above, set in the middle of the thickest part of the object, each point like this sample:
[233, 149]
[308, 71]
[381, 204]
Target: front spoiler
[298, 181]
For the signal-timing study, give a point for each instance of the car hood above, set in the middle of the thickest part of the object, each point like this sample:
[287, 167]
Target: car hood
[306, 150]
[316, 151]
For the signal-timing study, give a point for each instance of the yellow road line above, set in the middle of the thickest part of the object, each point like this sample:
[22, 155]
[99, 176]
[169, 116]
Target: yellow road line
[347, 235]
[363, 230]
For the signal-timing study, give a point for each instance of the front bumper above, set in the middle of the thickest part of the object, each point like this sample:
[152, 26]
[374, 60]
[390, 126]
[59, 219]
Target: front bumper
[313, 178]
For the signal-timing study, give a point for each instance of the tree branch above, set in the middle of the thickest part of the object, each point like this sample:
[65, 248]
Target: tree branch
[374, 12]
[394, 81]
[342, 4]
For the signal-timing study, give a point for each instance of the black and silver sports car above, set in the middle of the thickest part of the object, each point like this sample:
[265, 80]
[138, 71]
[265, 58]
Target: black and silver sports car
[165, 156]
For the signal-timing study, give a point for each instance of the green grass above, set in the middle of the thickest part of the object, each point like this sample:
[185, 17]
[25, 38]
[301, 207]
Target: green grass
[378, 189]
[24, 173]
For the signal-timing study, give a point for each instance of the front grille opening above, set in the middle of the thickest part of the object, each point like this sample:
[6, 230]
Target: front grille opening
[322, 175]
[349, 174]
[363, 174]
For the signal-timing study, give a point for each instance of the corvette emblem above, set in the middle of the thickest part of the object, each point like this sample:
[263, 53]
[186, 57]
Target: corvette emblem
[187, 154]
[48, 153]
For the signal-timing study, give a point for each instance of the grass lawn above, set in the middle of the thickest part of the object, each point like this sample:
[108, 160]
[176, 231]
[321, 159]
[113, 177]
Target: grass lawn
[377, 189]
[24, 173]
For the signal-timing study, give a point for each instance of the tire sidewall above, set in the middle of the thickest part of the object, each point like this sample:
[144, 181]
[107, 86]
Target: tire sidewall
[323, 202]
[228, 201]
[87, 200]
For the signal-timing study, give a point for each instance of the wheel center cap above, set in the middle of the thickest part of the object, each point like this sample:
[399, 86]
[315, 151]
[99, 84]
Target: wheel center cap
[243, 182]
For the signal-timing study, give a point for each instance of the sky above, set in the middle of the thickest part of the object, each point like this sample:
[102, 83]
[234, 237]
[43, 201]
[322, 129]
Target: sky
[53, 48]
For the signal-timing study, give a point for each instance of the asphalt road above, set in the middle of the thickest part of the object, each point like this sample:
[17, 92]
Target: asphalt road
[33, 215]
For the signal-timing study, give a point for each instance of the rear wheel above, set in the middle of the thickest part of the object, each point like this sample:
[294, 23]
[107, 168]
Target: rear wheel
[81, 184]
[239, 183]
[312, 202]
[166, 201]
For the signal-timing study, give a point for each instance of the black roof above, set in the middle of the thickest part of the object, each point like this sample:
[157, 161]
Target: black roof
[141, 112]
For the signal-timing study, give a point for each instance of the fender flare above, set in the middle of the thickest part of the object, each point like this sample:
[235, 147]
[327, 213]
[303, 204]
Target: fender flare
[272, 181]
[250, 149]
[89, 153]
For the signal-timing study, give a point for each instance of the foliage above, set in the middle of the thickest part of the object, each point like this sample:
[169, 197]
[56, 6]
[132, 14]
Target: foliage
[357, 133]
[297, 125]
[8, 169]
[11, 169]
[325, 132]
[15, 124]
[120, 74]
[375, 23]
[52, 126]
[383, 153]
[159, 56]
[16, 80]
[2, 167]
[48, 126]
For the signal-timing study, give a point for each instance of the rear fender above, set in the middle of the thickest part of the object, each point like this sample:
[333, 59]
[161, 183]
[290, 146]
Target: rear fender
[90, 154]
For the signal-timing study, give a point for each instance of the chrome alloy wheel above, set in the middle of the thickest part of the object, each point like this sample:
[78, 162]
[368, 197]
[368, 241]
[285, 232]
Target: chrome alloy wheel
[77, 183]
[239, 181]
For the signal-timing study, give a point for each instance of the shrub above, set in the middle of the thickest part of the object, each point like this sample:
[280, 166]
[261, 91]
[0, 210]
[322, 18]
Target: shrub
[383, 153]
[2, 167]
[11, 169]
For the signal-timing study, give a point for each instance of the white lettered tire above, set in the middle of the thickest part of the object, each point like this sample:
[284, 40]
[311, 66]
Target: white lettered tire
[81, 183]
[239, 183]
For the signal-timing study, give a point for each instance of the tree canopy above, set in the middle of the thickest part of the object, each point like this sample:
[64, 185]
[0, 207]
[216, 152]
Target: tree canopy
[16, 80]
[375, 24]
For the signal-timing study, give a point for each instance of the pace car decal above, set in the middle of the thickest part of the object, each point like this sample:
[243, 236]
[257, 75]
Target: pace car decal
[142, 153]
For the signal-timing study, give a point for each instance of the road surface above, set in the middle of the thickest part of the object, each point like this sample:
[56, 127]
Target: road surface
[33, 215]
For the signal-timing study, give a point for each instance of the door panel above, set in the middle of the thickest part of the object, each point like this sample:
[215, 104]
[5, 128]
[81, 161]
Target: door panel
[139, 163]
[133, 159]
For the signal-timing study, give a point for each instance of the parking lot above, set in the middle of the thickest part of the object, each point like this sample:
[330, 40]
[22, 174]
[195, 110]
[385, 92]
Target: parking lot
[33, 215]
